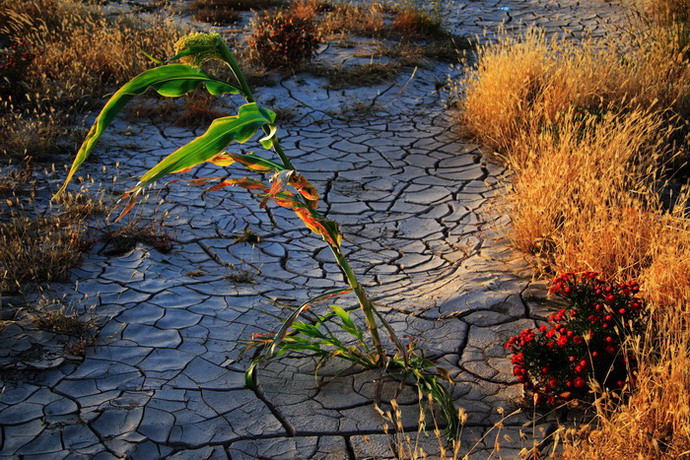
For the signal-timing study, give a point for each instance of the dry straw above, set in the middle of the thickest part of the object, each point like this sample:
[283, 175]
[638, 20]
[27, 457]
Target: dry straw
[587, 130]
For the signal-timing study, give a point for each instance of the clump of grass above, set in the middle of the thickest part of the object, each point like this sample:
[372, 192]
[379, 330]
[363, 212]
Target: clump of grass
[668, 11]
[245, 5]
[13, 62]
[41, 249]
[281, 39]
[351, 19]
[307, 10]
[16, 180]
[525, 81]
[31, 133]
[76, 331]
[368, 74]
[155, 109]
[125, 238]
[240, 276]
[74, 53]
[82, 51]
[216, 12]
[60, 321]
[76, 206]
[411, 23]
[248, 236]
[414, 445]
[582, 192]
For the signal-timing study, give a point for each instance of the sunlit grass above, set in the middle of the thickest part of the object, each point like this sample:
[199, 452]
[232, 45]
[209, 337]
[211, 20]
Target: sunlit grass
[591, 133]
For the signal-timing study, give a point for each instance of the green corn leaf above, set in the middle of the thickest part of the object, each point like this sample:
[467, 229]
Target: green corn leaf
[309, 330]
[238, 128]
[256, 163]
[285, 328]
[348, 324]
[344, 317]
[171, 80]
[151, 58]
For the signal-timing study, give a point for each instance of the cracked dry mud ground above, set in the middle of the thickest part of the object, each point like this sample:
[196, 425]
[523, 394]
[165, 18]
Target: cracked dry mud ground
[165, 377]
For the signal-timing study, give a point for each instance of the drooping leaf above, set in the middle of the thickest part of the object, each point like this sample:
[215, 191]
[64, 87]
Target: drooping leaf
[131, 200]
[244, 182]
[171, 80]
[269, 139]
[255, 162]
[250, 373]
[287, 200]
[237, 128]
[304, 187]
[320, 225]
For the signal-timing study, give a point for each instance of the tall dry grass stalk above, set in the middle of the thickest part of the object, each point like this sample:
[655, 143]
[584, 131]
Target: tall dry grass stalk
[587, 131]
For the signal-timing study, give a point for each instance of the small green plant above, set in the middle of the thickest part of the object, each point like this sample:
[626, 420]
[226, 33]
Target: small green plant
[285, 188]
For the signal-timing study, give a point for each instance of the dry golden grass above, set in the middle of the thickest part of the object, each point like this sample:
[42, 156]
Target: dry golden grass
[352, 19]
[586, 130]
[37, 250]
[16, 180]
[198, 110]
[78, 54]
[528, 80]
[667, 11]
[411, 23]
[80, 49]
[29, 133]
[307, 10]
[583, 189]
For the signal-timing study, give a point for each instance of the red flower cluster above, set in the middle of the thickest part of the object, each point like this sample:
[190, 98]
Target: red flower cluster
[13, 62]
[280, 39]
[581, 342]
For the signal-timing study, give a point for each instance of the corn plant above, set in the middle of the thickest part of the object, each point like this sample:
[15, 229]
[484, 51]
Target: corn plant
[285, 188]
